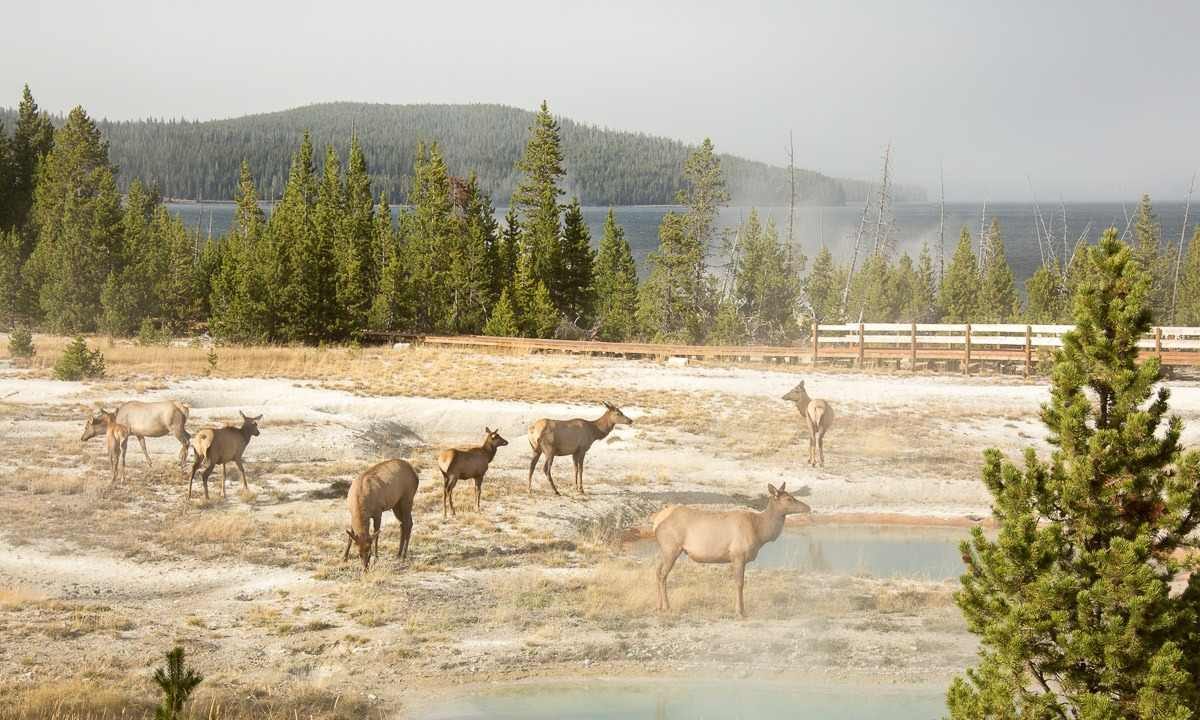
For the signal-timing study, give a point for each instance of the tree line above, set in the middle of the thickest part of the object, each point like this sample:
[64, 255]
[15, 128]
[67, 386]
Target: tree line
[330, 265]
[200, 160]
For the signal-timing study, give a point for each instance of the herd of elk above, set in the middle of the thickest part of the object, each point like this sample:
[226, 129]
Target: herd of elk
[706, 536]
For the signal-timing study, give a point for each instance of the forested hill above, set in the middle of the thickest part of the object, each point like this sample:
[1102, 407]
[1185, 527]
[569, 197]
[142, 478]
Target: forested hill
[200, 160]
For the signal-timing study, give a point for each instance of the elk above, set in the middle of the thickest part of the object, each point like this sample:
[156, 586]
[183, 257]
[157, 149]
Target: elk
[219, 446]
[818, 415]
[389, 485]
[156, 419]
[467, 464]
[553, 438]
[713, 536]
[116, 437]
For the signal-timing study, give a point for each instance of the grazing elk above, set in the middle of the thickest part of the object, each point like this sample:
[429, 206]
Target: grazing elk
[116, 437]
[719, 536]
[818, 415]
[467, 464]
[218, 446]
[156, 419]
[554, 438]
[389, 485]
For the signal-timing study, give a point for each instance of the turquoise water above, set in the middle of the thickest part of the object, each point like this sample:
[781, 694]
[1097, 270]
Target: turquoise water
[716, 700]
[885, 551]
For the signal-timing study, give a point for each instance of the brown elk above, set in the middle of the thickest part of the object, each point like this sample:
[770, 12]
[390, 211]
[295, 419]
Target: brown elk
[818, 415]
[116, 437]
[719, 536]
[219, 446]
[554, 438]
[156, 419]
[467, 464]
[389, 485]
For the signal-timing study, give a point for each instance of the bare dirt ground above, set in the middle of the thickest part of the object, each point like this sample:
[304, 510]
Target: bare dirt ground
[97, 581]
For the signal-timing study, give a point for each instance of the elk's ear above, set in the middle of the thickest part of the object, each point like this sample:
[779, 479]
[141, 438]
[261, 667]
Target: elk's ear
[487, 429]
[783, 486]
[256, 418]
[771, 490]
[243, 415]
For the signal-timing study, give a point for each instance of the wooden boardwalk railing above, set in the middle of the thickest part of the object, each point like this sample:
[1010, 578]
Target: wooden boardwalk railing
[961, 345]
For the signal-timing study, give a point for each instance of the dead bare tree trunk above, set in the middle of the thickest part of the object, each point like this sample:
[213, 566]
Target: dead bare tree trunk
[792, 195]
[941, 250]
[1187, 206]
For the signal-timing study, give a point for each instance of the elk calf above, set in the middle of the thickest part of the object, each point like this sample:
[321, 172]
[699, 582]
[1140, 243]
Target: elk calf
[116, 437]
[467, 464]
[218, 446]
[712, 536]
[389, 485]
[818, 416]
[554, 438]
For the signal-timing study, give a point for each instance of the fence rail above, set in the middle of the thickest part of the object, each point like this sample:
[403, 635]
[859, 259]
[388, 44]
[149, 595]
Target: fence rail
[962, 345]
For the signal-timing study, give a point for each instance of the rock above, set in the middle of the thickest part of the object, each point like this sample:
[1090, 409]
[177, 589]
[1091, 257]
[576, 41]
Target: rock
[401, 346]
[677, 361]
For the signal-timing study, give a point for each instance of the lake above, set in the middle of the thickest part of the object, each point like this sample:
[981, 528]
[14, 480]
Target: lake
[836, 227]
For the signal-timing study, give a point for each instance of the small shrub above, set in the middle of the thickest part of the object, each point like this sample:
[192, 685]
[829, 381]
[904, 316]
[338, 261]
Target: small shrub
[77, 362]
[177, 681]
[20, 343]
[148, 334]
[211, 358]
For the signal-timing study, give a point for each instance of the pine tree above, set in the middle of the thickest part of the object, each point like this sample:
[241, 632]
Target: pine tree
[33, 138]
[356, 274]
[503, 321]
[317, 315]
[578, 284]
[822, 288]
[1149, 252]
[703, 194]
[469, 274]
[391, 308]
[541, 317]
[176, 300]
[674, 304]
[536, 200]
[1187, 311]
[288, 249]
[997, 300]
[128, 293]
[616, 284]
[922, 305]
[729, 325]
[767, 286]
[1073, 601]
[77, 216]
[240, 300]
[510, 250]
[873, 292]
[15, 299]
[1045, 296]
[960, 286]
[177, 682]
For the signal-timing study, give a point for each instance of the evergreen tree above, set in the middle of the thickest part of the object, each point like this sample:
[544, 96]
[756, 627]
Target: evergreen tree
[997, 300]
[922, 304]
[77, 216]
[873, 292]
[540, 317]
[766, 285]
[960, 286]
[729, 325]
[616, 285]
[391, 308]
[576, 275]
[703, 194]
[503, 321]
[176, 300]
[469, 274]
[674, 304]
[239, 300]
[823, 288]
[33, 137]
[428, 229]
[14, 296]
[1148, 251]
[1073, 600]
[510, 250]
[536, 200]
[1187, 311]
[1045, 296]
[356, 273]
[128, 293]
[289, 247]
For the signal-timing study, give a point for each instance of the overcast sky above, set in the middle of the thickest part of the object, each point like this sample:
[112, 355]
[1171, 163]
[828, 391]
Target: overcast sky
[1090, 100]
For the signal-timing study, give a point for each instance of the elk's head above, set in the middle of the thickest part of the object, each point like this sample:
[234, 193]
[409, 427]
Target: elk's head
[364, 544]
[493, 439]
[618, 417]
[97, 424]
[781, 498]
[797, 394]
[249, 424]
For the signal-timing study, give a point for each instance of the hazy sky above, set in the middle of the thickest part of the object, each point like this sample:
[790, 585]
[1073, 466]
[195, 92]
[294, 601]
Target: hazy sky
[1091, 100]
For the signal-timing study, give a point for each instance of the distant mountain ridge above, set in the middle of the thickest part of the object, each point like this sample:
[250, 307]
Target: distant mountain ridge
[200, 159]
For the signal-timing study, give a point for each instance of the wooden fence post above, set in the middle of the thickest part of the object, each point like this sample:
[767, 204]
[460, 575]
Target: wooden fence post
[913, 351]
[967, 353]
[1158, 342]
[816, 341]
[1028, 350]
[861, 345]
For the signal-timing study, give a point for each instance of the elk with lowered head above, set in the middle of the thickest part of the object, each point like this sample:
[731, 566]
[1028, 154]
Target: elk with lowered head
[152, 419]
[719, 536]
[554, 438]
[467, 464]
[116, 437]
[818, 416]
[389, 485]
[219, 446]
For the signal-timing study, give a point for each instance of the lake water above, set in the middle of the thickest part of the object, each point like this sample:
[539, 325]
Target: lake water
[884, 551]
[836, 227]
[718, 700]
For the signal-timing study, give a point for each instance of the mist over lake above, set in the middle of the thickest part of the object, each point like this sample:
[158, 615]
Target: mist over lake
[915, 223]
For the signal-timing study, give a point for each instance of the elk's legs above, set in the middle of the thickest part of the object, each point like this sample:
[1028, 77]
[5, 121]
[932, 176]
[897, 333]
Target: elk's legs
[666, 561]
[549, 477]
[142, 442]
[739, 576]
[403, 513]
[533, 466]
[578, 458]
[478, 490]
[376, 522]
[242, 472]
